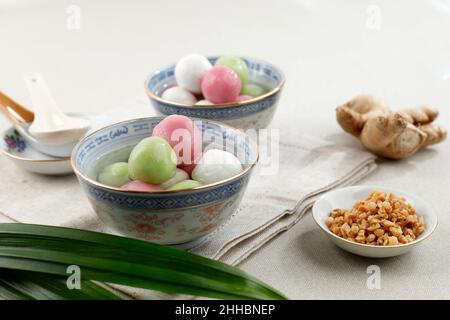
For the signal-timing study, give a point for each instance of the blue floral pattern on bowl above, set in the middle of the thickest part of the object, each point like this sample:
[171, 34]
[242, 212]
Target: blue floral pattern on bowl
[168, 217]
[256, 113]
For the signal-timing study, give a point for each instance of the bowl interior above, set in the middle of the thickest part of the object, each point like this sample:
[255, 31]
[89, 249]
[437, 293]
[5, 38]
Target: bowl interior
[260, 72]
[114, 143]
[345, 198]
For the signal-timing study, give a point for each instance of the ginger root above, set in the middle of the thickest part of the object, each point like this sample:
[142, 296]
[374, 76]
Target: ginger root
[389, 134]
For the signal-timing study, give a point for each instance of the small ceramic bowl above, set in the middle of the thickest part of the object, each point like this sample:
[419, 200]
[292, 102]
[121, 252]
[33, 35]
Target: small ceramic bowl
[26, 157]
[168, 217]
[346, 197]
[255, 113]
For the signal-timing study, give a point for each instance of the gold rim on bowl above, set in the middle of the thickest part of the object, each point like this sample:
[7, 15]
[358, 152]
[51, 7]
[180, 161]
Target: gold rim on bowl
[220, 105]
[206, 186]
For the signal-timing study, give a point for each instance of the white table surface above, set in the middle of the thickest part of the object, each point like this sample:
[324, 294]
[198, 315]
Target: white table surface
[329, 50]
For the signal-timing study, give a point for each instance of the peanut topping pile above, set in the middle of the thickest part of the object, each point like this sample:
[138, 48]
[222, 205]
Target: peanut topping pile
[382, 219]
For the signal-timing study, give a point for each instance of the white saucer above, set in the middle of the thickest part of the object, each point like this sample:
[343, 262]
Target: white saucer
[24, 156]
[345, 198]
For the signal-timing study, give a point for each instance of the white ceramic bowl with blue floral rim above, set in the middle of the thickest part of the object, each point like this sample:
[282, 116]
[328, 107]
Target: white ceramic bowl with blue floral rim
[255, 113]
[167, 217]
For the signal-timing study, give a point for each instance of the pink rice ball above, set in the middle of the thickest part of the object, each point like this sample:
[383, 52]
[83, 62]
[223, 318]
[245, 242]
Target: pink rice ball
[190, 167]
[140, 186]
[243, 98]
[183, 136]
[221, 85]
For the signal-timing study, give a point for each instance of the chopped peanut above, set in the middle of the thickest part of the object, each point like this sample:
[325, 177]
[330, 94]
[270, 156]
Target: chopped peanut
[378, 232]
[393, 240]
[382, 219]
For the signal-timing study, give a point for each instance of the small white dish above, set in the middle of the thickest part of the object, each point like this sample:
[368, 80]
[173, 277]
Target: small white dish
[26, 157]
[345, 198]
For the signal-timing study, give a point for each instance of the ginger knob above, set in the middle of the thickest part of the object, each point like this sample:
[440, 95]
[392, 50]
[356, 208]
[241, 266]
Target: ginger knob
[386, 133]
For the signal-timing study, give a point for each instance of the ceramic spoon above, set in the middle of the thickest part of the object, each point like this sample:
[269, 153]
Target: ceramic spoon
[21, 118]
[50, 124]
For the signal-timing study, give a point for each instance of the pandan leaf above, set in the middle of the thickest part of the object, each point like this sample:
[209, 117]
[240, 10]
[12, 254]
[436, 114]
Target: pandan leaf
[24, 285]
[126, 261]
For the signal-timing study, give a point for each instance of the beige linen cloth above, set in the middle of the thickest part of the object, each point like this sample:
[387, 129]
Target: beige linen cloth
[307, 168]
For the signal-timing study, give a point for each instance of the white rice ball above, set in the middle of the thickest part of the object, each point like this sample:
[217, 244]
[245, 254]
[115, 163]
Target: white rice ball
[204, 102]
[190, 70]
[180, 175]
[178, 94]
[216, 165]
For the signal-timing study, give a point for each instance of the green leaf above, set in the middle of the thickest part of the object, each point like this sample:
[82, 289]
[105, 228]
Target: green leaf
[22, 285]
[125, 261]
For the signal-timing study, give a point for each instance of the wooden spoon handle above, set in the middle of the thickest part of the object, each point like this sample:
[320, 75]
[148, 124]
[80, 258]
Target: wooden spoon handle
[7, 103]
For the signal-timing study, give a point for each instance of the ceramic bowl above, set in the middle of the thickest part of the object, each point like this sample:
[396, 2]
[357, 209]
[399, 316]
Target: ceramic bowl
[14, 147]
[255, 113]
[167, 217]
[346, 197]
